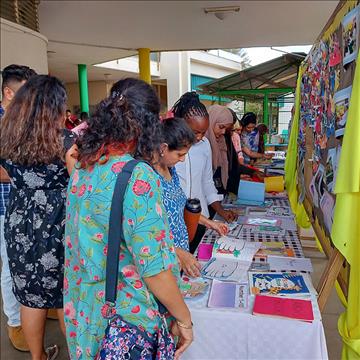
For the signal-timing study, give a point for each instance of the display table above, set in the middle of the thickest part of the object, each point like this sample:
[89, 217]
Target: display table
[234, 334]
[237, 334]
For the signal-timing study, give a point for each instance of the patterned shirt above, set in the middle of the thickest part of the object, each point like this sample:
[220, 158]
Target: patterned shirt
[174, 200]
[250, 141]
[4, 186]
[148, 249]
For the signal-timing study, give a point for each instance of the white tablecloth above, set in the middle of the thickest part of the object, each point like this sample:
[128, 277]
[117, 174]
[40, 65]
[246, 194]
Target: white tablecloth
[230, 334]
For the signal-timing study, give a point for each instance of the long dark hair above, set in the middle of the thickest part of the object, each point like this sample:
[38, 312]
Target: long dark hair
[176, 133]
[127, 121]
[31, 130]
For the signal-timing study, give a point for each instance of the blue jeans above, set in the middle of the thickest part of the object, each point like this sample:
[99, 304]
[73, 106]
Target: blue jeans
[11, 305]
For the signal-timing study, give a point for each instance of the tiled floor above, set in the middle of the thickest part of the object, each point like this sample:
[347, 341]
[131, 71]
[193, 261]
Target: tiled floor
[330, 318]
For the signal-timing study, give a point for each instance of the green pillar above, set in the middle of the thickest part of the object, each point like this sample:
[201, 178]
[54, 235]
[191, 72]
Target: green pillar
[266, 110]
[83, 88]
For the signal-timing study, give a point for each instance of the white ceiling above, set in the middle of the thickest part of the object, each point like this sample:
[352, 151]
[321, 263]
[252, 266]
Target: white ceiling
[90, 32]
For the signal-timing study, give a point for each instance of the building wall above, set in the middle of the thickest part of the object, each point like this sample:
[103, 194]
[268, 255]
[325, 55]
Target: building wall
[98, 90]
[20, 45]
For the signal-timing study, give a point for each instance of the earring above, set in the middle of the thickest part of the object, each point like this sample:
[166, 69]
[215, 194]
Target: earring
[161, 154]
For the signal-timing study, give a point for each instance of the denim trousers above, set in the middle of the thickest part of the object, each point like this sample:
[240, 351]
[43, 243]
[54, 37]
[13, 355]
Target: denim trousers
[11, 305]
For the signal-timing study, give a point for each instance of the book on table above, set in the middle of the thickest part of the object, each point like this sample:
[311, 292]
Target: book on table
[231, 259]
[297, 309]
[280, 284]
[251, 193]
[228, 295]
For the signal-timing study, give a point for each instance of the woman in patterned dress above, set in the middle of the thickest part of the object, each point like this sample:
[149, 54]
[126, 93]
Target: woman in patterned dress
[126, 124]
[177, 138]
[33, 151]
[250, 139]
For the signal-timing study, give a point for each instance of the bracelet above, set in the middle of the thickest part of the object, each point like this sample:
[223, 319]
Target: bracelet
[182, 325]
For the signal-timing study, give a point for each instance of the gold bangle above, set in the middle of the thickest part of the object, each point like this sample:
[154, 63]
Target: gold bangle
[182, 325]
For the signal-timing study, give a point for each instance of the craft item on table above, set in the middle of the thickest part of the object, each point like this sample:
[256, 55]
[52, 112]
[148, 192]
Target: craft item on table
[192, 288]
[274, 248]
[239, 210]
[282, 263]
[297, 309]
[257, 221]
[274, 183]
[274, 172]
[228, 295]
[204, 252]
[232, 226]
[342, 102]
[265, 230]
[279, 284]
[350, 34]
[251, 233]
[231, 259]
[276, 195]
[235, 249]
[279, 211]
[256, 211]
[227, 270]
[251, 193]
[259, 266]
[277, 155]
[327, 203]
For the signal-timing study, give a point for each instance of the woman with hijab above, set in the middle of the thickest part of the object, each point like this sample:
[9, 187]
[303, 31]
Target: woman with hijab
[221, 120]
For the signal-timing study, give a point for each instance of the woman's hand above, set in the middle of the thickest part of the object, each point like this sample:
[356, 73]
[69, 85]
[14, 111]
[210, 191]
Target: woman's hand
[228, 215]
[220, 227]
[268, 156]
[185, 336]
[188, 263]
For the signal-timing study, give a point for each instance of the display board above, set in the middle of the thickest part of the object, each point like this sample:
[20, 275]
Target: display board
[324, 158]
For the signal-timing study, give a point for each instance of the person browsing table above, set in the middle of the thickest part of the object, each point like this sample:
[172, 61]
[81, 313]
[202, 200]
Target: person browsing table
[177, 138]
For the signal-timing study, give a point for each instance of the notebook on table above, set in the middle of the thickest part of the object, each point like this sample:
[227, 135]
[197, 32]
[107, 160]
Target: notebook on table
[297, 309]
[251, 193]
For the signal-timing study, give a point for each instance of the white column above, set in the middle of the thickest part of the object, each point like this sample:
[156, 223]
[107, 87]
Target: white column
[175, 68]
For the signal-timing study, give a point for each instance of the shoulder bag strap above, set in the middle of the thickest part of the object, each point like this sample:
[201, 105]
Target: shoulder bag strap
[116, 234]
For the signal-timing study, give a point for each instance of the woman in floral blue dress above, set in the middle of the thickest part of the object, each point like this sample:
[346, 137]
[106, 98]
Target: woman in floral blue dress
[177, 138]
[125, 125]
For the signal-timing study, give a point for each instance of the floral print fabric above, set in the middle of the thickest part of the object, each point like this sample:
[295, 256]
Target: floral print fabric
[250, 141]
[34, 230]
[123, 341]
[174, 200]
[148, 250]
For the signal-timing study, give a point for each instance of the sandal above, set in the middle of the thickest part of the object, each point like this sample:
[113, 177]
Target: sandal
[52, 352]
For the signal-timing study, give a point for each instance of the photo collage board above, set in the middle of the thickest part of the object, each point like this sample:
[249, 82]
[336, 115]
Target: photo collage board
[326, 85]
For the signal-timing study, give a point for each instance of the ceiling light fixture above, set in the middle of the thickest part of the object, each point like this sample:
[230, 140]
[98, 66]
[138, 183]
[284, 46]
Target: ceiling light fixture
[221, 12]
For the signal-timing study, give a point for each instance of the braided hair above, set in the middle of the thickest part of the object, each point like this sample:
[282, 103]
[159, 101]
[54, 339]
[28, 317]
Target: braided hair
[189, 105]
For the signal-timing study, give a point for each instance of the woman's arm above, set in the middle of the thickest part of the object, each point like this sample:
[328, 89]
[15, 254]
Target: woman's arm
[218, 226]
[165, 289]
[71, 158]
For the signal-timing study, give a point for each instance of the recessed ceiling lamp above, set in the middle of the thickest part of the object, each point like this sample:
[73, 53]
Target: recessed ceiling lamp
[222, 12]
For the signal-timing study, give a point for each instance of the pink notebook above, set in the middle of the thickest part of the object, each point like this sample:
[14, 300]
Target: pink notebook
[205, 252]
[283, 307]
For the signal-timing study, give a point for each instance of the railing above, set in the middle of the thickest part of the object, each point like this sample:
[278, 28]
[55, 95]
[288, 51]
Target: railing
[22, 12]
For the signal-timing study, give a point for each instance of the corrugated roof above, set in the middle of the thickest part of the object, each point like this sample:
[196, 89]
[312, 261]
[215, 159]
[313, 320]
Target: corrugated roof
[279, 73]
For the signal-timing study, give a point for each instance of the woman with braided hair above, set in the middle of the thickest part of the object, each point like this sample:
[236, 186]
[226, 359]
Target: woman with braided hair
[196, 172]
